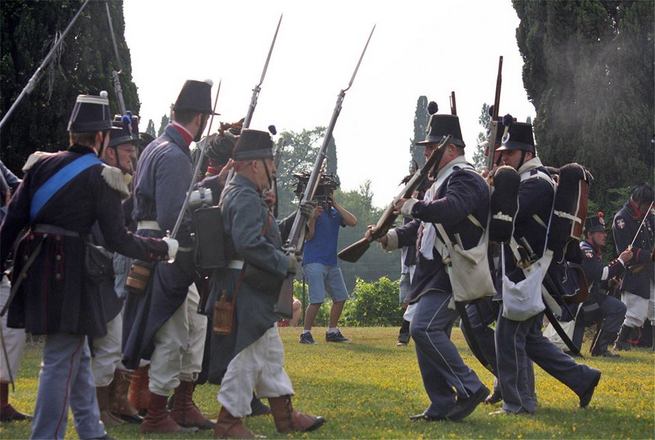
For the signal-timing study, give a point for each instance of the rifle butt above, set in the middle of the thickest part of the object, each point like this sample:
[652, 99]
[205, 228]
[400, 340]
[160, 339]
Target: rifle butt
[355, 251]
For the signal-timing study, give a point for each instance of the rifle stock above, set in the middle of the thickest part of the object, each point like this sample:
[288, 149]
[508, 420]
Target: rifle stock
[354, 252]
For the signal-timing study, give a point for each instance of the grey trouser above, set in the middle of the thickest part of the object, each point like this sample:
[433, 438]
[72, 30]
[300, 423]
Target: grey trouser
[518, 342]
[66, 379]
[444, 373]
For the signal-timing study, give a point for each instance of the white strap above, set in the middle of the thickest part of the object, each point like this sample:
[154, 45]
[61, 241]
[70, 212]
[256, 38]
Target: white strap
[150, 225]
[235, 264]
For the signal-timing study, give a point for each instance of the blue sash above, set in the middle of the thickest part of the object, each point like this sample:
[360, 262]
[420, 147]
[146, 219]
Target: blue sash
[58, 180]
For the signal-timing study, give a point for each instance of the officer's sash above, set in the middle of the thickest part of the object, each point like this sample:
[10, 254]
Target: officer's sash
[58, 180]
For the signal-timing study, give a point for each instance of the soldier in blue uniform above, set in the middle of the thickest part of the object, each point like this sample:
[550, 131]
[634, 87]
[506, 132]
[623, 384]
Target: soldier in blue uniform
[157, 324]
[62, 195]
[457, 194]
[600, 307]
[252, 355]
[634, 225]
[518, 341]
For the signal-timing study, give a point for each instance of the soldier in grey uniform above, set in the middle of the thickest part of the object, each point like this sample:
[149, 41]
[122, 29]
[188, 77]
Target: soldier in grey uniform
[458, 199]
[519, 341]
[162, 325]
[252, 355]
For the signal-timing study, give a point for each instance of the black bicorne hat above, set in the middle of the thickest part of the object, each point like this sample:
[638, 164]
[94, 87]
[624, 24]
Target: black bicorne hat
[90, 114]
[124, 130]
[518, 137]
[195, 96]
[595, 223]
[253, 144]
[441, 126]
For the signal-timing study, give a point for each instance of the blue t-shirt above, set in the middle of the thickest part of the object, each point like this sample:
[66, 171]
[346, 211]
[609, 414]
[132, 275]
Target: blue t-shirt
[323, 247]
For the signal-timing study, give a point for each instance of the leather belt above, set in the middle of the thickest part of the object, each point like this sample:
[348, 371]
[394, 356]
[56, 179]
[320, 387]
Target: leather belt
[235, 264]
[150, 225]
[55, 230]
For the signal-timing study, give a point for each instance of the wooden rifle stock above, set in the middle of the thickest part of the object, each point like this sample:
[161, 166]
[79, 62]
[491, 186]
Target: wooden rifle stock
[354, 252]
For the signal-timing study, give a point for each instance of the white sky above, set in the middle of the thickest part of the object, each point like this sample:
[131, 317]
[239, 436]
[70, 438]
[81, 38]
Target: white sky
[418, 48]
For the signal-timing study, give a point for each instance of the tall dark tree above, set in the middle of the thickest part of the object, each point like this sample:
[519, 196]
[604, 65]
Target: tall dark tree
[485, 122]
[151, 128]
[83, 65]
[589, 69]
[162, 125]
[421, 118]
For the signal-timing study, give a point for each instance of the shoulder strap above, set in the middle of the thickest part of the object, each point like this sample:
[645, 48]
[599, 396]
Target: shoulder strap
[58, 180]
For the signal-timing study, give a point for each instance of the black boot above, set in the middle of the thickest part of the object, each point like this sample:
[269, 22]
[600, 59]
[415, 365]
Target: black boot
[621, 343]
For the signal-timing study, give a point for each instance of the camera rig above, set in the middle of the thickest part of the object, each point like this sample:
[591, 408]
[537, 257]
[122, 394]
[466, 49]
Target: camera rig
[327, 183]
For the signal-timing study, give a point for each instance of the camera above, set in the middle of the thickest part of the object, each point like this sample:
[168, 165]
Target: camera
[327, 184]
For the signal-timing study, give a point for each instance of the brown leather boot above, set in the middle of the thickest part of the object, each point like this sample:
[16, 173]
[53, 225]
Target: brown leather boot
[185, 412]
[228, 426]
[118, 403]
[158, 420]
[103, 405]
[138, 393]
[7, 412]
[288, 420]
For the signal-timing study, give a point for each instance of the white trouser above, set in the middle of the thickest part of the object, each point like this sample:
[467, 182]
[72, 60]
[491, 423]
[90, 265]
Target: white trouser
[107, 353]
[638, 308]
[14, 339]
[259, 368]
[179, 347]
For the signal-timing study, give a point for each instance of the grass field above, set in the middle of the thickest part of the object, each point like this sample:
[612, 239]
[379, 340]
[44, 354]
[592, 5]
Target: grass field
[368, 388]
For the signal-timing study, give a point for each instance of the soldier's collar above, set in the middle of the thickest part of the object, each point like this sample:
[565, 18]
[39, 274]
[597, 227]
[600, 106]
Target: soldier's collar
[533, 163]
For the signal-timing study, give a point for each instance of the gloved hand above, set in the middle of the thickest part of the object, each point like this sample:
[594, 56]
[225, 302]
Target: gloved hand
[173, 245]
[307, 208]
[294, 264]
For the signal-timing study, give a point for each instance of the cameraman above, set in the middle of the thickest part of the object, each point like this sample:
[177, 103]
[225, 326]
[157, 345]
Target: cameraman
[321, 269]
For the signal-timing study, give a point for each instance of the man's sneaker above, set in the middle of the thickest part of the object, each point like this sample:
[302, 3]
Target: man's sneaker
[403, 339]
[306, 338]
[335, 337]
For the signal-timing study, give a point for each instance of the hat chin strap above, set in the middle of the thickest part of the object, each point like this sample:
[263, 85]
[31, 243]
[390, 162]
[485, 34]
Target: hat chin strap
[268, 174]
[522, 159]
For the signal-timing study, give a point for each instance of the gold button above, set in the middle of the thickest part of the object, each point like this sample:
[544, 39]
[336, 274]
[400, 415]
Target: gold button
[58, 257]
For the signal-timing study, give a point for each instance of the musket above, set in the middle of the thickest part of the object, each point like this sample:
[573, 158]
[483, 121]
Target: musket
[196, 170]
[114, 73]
[493, 111]
[354, 252]
[453, 104]
[256, 90]
[641, 225]
[37, 74]
[258, 87]
[294, 243]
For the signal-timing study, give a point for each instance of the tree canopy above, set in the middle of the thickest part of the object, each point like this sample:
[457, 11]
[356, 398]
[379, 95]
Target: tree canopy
[83, 65]
[589, 72]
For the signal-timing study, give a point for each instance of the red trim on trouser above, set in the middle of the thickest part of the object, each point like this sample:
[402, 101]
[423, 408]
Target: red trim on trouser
[64, 413]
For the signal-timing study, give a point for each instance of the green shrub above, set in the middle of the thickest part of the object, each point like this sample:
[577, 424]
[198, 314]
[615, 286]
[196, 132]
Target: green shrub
[373, 304]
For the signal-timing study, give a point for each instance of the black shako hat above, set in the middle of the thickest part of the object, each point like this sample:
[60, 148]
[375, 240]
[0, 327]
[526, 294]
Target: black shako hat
[90, 114]
[595, 223]
[124, 130]
[518, 137]
[195, 96]
[253, 144]
[441, 126]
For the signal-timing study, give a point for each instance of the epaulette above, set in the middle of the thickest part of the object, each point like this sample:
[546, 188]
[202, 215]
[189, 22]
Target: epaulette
[114, 178]
[34, 158]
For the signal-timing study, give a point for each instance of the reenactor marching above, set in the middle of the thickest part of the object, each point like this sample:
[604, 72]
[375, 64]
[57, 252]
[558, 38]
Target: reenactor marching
[62, 195]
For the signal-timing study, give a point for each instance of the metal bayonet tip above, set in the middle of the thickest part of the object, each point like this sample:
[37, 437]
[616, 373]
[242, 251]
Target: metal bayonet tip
[360, 59]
